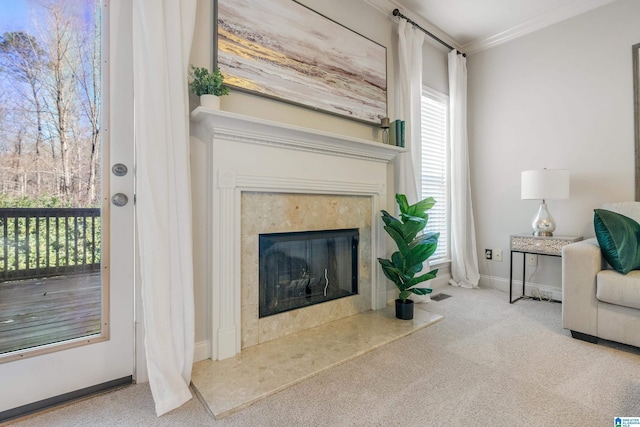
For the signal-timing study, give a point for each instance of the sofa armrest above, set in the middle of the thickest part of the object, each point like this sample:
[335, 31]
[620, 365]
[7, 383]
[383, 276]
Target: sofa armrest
[581, 262]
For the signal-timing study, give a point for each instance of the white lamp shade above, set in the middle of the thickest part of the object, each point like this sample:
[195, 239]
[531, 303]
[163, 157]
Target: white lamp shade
[548, 184]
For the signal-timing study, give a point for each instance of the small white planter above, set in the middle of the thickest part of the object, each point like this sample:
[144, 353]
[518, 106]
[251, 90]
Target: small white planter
[210, 101]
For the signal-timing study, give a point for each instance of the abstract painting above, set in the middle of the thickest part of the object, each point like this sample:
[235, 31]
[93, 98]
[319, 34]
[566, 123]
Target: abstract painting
[283, 50]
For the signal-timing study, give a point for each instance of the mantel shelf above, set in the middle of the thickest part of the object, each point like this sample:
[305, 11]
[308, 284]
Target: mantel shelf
[267, 132]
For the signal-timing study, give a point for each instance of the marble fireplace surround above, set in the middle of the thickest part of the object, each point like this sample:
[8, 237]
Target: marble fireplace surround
[249, 158]
[274, 212]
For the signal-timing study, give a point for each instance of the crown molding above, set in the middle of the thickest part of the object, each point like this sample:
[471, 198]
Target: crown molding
[562, 13]
[552, 17]
[386, 8]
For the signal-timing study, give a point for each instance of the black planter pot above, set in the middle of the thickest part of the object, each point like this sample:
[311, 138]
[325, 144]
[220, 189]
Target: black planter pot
[404, 310]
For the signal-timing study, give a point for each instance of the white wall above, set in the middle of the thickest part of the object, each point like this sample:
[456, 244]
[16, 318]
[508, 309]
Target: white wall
[557, 98]
[356, 15]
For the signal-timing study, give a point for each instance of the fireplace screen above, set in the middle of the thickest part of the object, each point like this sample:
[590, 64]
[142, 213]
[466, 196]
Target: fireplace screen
[305, 268]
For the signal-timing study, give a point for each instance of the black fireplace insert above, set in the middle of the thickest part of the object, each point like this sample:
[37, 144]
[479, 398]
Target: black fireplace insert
[300, 269]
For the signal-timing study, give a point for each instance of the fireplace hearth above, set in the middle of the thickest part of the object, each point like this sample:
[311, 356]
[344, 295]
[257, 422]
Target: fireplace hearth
[299, 269]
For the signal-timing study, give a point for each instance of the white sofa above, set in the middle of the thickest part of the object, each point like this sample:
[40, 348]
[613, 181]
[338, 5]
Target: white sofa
[598, 302]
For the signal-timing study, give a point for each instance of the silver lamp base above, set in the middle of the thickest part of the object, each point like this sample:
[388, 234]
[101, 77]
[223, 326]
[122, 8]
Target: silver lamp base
[543, 223]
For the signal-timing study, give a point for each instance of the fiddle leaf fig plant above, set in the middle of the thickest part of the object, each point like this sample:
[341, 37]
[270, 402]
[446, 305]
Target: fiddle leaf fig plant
[204, 82]
[413, 248]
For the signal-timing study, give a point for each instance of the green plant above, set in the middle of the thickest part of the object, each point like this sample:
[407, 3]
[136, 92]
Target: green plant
[204, 82]
[413, 248]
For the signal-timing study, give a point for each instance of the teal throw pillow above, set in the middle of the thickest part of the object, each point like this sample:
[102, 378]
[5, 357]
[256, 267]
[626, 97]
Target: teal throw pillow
[618, 237]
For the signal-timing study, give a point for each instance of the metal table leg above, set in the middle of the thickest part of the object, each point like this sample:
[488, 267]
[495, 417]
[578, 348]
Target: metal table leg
[524, 271]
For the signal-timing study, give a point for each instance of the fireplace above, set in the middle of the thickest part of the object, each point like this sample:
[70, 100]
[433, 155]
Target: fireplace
[299, 269]
[260, 177]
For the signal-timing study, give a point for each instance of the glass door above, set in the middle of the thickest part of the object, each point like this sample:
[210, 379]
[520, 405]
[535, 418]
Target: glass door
[66, 191]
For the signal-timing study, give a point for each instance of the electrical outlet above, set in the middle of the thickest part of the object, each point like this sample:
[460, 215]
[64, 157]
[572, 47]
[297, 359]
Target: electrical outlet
[497, 255]
[532, 260]
[488, 254]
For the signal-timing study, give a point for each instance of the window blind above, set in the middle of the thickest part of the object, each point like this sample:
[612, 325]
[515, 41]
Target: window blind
[434, 162]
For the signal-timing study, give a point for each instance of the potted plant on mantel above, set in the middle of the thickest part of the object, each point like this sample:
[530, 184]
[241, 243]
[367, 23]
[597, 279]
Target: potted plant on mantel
[413, 250]
[208, 86]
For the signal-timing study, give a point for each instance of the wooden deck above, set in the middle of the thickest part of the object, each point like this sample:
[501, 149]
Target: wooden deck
[46, 311]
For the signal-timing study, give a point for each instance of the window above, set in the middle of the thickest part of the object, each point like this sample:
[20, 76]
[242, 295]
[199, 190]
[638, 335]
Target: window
[435, 166]
[50, 176]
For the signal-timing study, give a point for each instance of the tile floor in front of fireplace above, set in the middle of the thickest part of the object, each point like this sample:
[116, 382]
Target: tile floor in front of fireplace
[226, 386]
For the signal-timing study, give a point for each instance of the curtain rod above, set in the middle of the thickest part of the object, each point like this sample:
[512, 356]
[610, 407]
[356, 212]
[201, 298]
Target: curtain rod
[396, 12]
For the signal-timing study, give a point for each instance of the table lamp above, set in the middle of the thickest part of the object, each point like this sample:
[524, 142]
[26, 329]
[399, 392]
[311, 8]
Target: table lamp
[544, 184]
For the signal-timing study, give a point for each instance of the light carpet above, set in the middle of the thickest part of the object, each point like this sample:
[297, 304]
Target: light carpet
[488, 363]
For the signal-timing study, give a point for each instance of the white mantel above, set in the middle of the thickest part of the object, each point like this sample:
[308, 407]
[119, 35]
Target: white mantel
[247, 154]
[266, 132]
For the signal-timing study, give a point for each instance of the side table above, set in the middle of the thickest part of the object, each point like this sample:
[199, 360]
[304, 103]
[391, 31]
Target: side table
[538, 245]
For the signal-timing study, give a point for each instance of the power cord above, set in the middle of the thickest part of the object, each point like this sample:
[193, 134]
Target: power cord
[532, 273]
[490, 275]
[529, 280]
[536, 294]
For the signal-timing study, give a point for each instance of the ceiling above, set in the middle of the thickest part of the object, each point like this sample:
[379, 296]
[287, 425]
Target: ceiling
[473, 25]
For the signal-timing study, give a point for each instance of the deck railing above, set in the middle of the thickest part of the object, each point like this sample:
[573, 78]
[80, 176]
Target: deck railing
[45, 242]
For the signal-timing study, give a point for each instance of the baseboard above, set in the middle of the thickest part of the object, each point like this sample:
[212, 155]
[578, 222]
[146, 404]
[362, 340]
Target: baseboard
[530, 289]
[201, 351]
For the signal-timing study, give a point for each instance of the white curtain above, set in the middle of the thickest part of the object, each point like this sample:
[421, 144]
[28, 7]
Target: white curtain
[162, 35]
[464, 258]
[407, 165]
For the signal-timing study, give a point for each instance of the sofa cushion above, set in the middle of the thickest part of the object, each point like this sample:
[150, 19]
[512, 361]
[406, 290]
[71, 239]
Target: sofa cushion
[630, 209]
[618, 237]
[615, 288]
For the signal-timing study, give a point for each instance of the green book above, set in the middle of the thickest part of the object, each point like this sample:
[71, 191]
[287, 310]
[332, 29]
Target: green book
[402, 127]
[393, 135]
